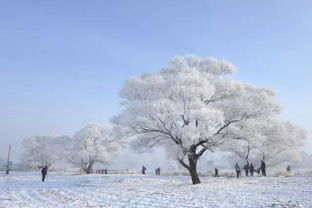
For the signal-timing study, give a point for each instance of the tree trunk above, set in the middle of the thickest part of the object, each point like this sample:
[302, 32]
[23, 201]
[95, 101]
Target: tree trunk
[192, 166]
[193, 170]
[89, 169]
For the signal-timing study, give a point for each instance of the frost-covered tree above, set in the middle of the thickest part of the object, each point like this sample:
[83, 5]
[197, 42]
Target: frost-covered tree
[244, 143]
[274, 141]
[280, 142]
[243, 148]
[191, 106]
[95, 143]
[40, 151]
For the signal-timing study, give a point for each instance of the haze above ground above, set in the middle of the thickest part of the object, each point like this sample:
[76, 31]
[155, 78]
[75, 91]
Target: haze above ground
[62, 63]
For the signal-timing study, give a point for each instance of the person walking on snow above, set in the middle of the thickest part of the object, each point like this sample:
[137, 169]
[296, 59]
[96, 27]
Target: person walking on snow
[158, 171]
[246, 168]
[263, 167]
[237, 169]
[216, 172]
[251, 169]
[44, 172]
[288, 168]
[143, 170]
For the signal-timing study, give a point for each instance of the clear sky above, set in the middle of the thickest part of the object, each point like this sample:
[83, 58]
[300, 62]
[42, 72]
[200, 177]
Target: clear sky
[62, 63]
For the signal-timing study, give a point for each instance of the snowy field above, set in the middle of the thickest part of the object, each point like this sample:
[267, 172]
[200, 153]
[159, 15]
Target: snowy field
[26, 190]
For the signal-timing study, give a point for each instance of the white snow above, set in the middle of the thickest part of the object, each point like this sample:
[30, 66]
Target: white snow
[26, 190]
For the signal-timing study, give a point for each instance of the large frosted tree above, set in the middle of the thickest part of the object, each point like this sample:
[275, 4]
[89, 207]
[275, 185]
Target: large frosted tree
[95, 143]
[191, 106]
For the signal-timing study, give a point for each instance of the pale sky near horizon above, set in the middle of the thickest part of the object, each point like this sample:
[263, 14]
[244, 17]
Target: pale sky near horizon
[62, 63]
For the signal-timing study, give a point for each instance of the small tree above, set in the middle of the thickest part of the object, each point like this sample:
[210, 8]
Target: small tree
[95, 143]
[40, 151]
[281, 142]
[190, 107]
[274, 141]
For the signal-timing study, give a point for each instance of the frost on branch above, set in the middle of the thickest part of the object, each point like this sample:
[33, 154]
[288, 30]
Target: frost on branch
[192, 106]
[281, 142]
[209, 65]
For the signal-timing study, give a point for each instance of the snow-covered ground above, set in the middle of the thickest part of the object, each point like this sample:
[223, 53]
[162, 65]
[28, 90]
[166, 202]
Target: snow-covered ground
[26, 190]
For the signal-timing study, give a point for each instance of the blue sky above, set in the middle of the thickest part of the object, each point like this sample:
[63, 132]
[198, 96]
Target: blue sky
[62, 63]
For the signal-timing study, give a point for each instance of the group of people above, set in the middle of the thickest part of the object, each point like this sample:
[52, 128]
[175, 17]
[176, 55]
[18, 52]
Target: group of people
[249, 169]
[101, 171]
[157, 170]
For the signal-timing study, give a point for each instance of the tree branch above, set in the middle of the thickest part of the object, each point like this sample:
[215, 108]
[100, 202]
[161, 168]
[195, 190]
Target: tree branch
[184, 164]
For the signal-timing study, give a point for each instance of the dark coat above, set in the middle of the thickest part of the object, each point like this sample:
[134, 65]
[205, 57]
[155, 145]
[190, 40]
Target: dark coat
[251, 168]
[44, 170]
[246, 167]
[262, 165]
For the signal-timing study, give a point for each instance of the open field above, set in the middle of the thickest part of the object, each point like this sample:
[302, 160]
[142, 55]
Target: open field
[26, 190]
